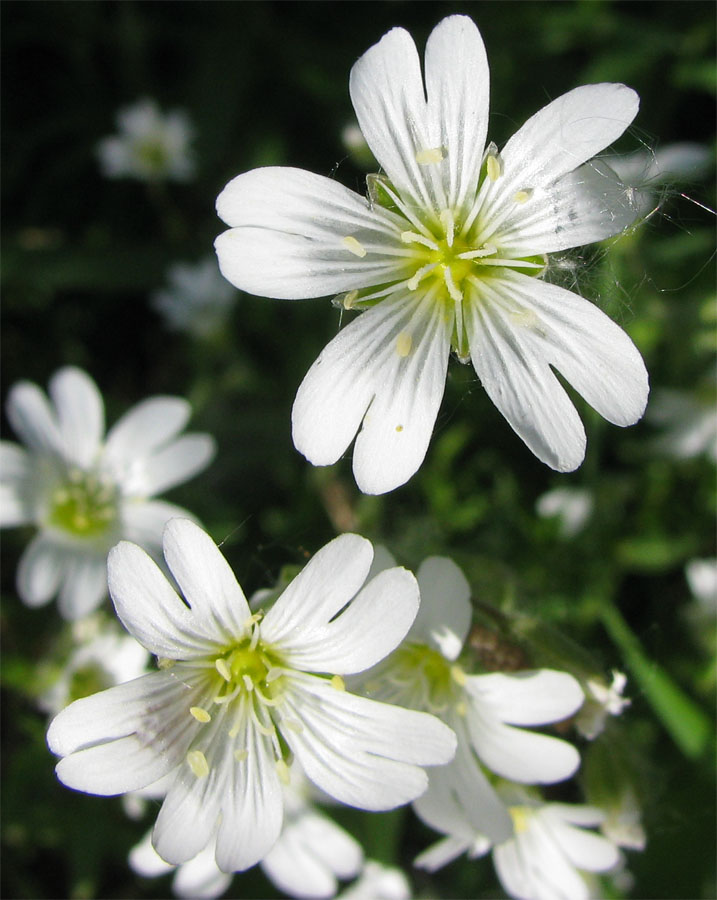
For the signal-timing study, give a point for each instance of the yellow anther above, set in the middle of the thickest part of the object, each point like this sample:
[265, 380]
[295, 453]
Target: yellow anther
[350, 299]
[234, 731]
[461, 709]
[164, 663]
[404, 342]
[240, 755]
[222, 666]
[399, 427]
[198, 763]
[458, 675]
[521, 818]
[252, 620]
[522, 196]
[201, 715]
[430, 156]
[412, 237]
[293, 725]
[449, 225]
[454, 291]
[282, 771]
[267, 732]
[493, 166]
[354, 246]
[338, 683]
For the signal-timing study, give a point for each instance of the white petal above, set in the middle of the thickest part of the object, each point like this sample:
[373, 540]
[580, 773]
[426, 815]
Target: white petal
[146, 426]
[362, 752]
[200, 878]
[577, 814]
[80, 413]
[187, 819]
[40, 571]
[442, 852]
[528, 698]
[143, 521]
[144, 859]
[585, 849]
[387, 93]
[523, 325]
[17, 480]
[362, 369]
[33, 419]
[150, 609]
[324, 586]
[288, 236]
[444, 616]
[170, 465]
[563, 135]
[205, 578]
[84, 584]
[371, 627]
[457, 82]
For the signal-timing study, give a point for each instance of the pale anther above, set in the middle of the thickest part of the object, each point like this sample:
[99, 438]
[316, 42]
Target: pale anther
[337, 682]
[272, 675]
[234, 731]
[201, 715]
[223, 668]
[493, 166]
[164, 663]
[252, 620]
[282, 771]
[399, 428]
[458, 675]
[240, 755]
[449, 225]
[354, 246]
[412, 237]
[461, 709]
[430, 156]
[454, 292]
[486, 250]
[293, 725]
[522, 196]
[404, 342]
[198, 763]
[350, 299]
[415, 279]
[248, 683]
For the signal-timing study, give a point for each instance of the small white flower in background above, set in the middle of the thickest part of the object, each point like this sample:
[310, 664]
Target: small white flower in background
[197, 299]
[378, 882]
[688, 422]
[310, 854]
[104, 655]
[446, 253]
[84, 490]
[572, 506]
[547, 853]
[238, 694]
[701, 577]
[424, 673]
[623, 821]
[601, 700]
[355, 143]
[151, 145]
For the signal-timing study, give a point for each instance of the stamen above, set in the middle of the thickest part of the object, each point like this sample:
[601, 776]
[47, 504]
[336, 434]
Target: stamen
[523, 196]
[512, 263]
[219, 700]
[487, 250]
[461, 709]
[283, 771]
[354, 246]
[458, 675]
[404, 342]
[350, 299]
[234, 731]
[240, 755]
[410, 237]
[337, 682]
[198, 763]
[223, 668]
[273, 674]
[201, 715]
[455, 293]
[430, 156]
[293, 725]
[449, 225]
[164, 663]
[419, 274]
[248, 683]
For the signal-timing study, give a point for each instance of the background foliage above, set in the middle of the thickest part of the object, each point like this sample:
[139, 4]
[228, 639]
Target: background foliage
[266, 83]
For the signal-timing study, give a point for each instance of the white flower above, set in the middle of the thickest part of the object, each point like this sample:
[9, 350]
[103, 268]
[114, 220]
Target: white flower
[238, 694]
[444, 254]
[623, 821]
[198, 300]
[310, 854]
[105, 656]
[84, 490]
[701, 577]
[378, 882]
[601, 700]
[151, 145]
[572, 506]
[689, 424]
[424, 673]
[544, 857]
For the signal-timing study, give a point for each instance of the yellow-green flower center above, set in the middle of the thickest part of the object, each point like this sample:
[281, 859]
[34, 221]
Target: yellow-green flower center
[85, 505]
[420, 677]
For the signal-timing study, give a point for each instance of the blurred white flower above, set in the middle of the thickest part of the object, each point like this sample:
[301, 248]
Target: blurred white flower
[688, 423]
[549, 850]
[601, 700]
[572, 506]
[238, 695]
[150, 146]
[446, 253]
[701, 577]
[197, 299]
[84, 490]
[105, 655]
[378, 882]
[623, 821]
[310, 854]
[424, 674]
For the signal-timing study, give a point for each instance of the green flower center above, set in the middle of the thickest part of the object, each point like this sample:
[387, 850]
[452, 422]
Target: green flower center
[85, 505]
[422, 678]
[153, 154]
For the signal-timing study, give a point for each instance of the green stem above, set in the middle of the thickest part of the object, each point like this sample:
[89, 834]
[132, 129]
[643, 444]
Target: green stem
[686, 723]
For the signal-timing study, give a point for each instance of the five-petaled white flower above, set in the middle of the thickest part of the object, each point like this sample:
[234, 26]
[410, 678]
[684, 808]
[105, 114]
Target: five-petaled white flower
[197, 299]
[447, 252]
[237, 694]
[427, 672]
[83, 490]
[547, 854]
[150, 146]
